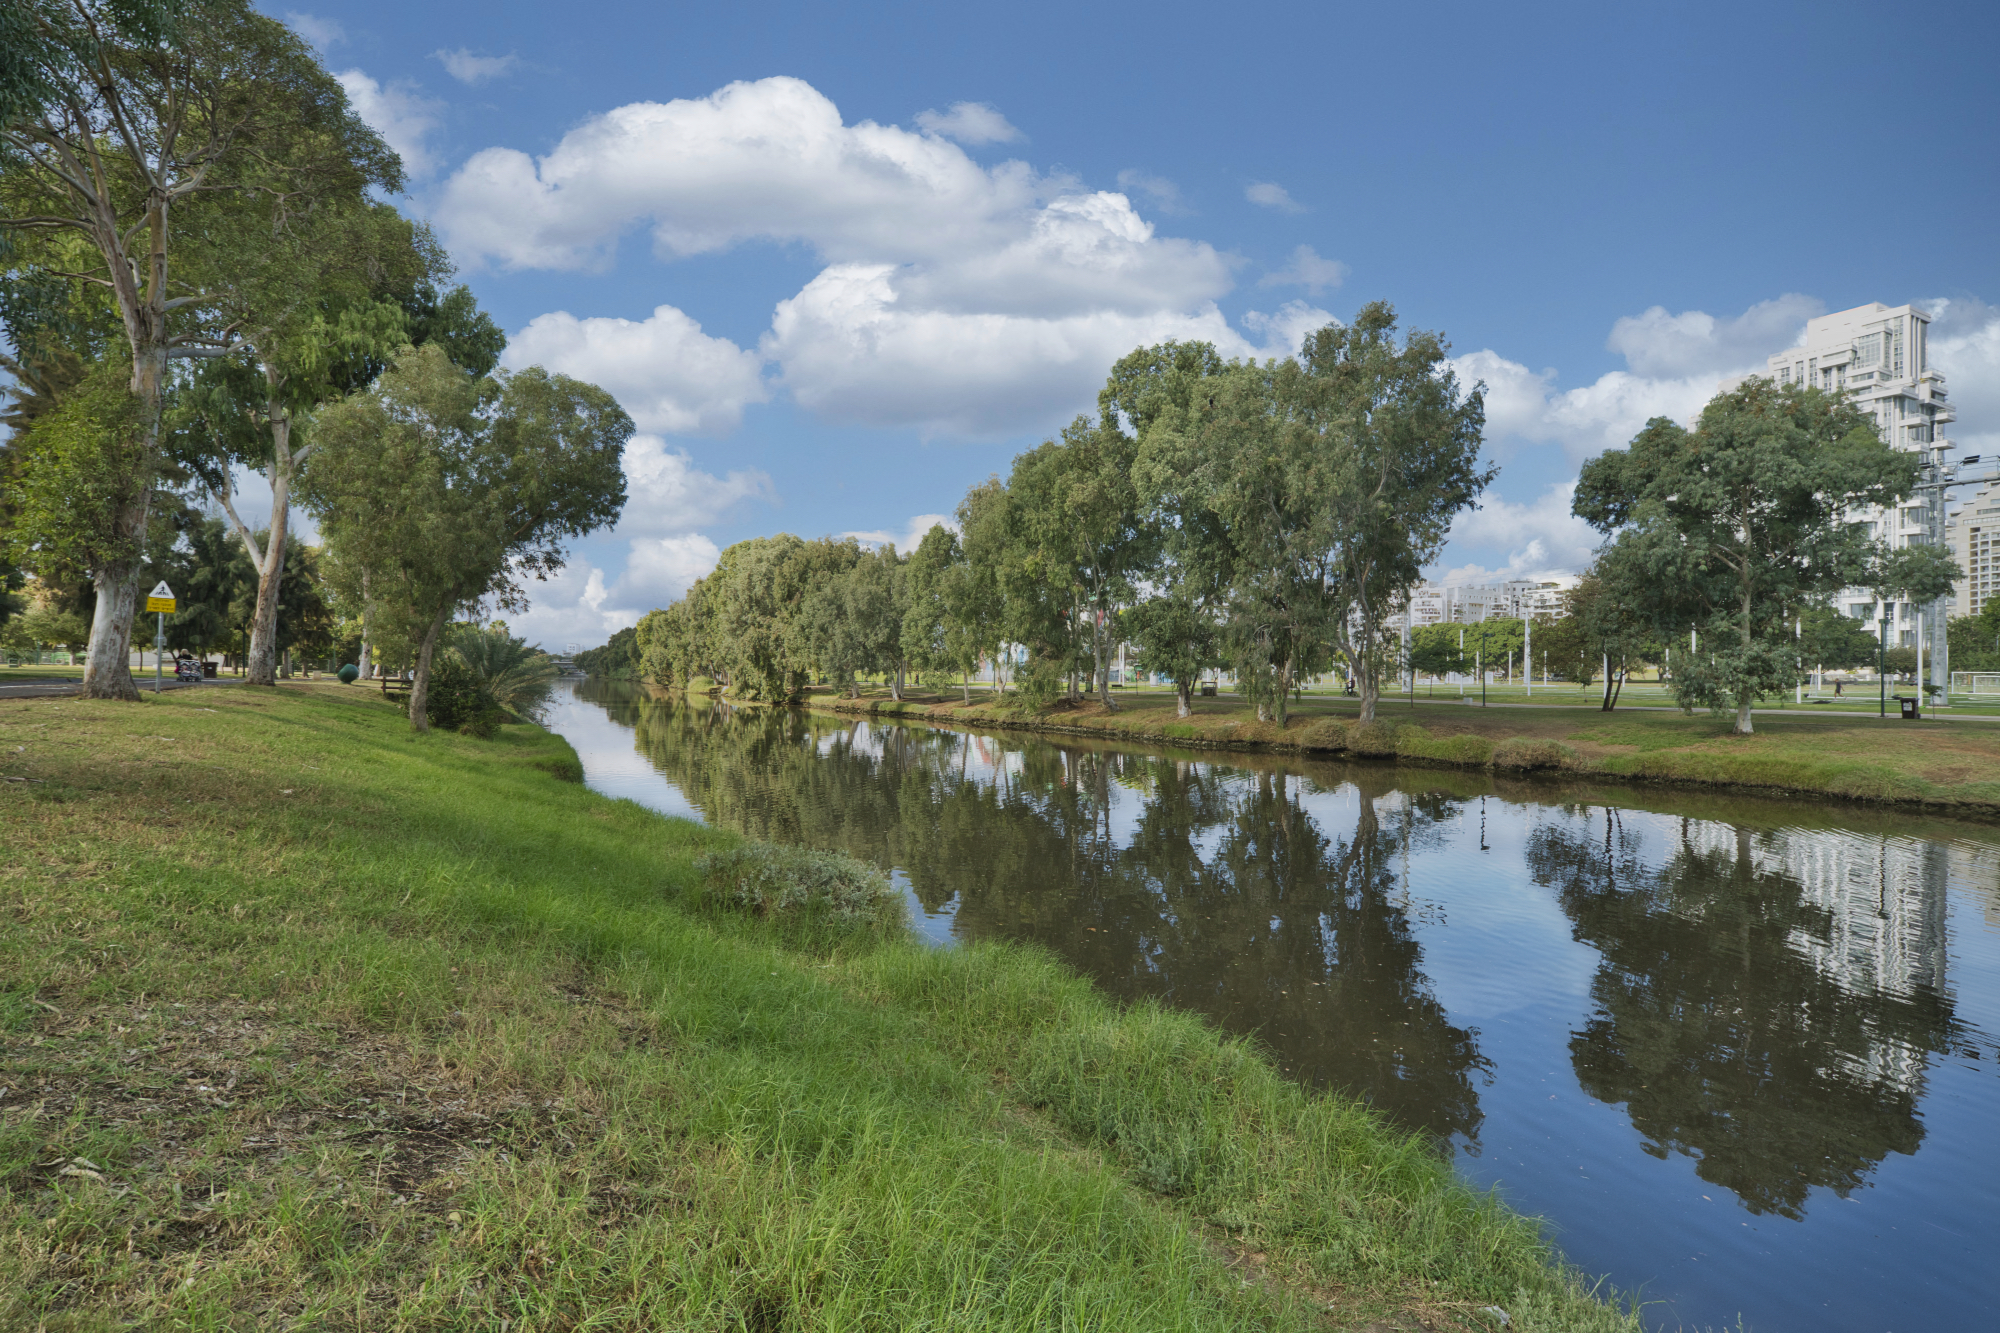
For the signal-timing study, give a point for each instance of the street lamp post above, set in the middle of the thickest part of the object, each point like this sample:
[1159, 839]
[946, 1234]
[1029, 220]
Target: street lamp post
[1882, 657]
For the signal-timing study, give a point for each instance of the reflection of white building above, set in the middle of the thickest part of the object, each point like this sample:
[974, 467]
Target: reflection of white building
[1886, 903]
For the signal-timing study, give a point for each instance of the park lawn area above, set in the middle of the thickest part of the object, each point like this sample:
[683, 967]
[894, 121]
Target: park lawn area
[1950, 765]
[311, 1023]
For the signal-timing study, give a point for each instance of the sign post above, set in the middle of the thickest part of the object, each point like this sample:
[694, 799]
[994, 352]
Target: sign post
[159, 601]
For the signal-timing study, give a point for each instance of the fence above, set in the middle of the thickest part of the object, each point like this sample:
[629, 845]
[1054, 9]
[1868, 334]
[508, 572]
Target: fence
[1975, 682]
[44, 659]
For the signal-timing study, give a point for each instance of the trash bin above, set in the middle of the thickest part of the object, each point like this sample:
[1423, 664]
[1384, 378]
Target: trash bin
[208, 671]
[1909, 703]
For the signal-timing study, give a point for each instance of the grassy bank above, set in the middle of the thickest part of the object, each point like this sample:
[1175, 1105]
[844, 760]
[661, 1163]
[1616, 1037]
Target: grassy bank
[311, 1023]
[1943, 765]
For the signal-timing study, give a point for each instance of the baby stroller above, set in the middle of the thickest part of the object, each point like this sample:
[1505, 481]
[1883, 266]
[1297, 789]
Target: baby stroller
[186, 668]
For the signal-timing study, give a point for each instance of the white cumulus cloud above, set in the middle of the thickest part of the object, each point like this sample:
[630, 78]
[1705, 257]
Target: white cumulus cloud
[969, 123]
[955, 298]
[1284, 330]
[473, 70]
[1676, 363]
[666, 494]
[851, 350]
[1536, 540]
[404, 117]
[910, 537]
[1695, 343]
[1964, 343]
[664, 370]
[1307, 270]
[321, 32]
[658, 570]
[1267, 194]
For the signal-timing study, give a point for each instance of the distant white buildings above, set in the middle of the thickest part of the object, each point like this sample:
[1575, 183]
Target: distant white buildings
[1434, 604]
[1972, 531]
[1879, 355]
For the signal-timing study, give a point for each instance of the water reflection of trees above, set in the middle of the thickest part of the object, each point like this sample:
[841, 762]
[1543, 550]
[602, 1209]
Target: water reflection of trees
[1210, 889]
[1723, 1028]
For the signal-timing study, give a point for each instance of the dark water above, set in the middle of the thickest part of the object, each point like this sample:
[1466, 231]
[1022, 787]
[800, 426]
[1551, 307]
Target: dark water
[1740, 1054]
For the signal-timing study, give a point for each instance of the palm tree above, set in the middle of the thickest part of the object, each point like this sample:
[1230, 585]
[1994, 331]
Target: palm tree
[519, 677]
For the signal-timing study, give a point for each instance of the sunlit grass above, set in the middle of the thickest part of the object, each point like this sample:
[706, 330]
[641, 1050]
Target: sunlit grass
[310, 1022]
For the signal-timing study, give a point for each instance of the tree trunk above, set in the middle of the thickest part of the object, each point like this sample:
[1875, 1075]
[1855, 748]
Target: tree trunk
[366, 666]
[264, 624]
[420, 683]
[1183, 704]
[1367, 687]
[107, 670]
[1100, 651]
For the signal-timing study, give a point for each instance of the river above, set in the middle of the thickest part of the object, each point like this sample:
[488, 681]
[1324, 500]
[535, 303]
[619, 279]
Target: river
[1741, 1054]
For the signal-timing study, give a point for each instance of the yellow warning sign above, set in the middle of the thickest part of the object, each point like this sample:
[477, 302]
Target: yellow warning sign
[161, 598]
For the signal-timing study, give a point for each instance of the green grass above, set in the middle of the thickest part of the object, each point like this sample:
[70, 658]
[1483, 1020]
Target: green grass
[1947, 765]
[310, 1023]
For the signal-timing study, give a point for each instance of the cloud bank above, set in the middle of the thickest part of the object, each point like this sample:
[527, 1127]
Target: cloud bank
[957, 299]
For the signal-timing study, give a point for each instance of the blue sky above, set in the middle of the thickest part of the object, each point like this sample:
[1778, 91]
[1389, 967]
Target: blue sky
[843, 262]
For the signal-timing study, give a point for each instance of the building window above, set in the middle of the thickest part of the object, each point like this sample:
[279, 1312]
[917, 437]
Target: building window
[1868, 350]
[1896, 349]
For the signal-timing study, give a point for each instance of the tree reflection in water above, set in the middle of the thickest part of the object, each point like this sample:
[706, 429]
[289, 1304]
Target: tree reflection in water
[1730, 1029]
[1223, 895]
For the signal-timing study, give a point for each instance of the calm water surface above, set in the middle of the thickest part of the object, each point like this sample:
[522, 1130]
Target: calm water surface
[1740, 1054]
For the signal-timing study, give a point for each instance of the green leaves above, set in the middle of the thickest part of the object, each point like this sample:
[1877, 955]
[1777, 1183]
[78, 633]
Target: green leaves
[1737, 526]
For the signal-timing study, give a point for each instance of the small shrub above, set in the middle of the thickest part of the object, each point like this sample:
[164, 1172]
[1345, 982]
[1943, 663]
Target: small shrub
[766, 879]
[1329, 733]
[1520, 753]
[1375, 739]
[458, 699]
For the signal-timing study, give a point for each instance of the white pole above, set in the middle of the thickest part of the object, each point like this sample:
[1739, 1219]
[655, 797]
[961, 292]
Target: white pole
[1799, 689]
[159, 644]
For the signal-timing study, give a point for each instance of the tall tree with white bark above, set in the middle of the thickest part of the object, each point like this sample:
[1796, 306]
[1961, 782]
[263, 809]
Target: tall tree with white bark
[457, 487]
[119, 117]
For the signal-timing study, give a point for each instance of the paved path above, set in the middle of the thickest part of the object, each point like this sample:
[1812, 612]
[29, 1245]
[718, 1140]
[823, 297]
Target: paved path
[57, 689]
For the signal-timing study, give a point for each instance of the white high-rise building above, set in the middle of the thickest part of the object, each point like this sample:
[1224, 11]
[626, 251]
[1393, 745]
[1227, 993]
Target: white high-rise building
[1878, 355]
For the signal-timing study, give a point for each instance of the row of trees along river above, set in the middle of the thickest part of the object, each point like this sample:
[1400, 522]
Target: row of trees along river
[1274, 519]
[200, 276]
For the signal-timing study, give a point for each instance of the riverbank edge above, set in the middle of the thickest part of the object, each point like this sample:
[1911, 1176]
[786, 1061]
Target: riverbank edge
[1838, 776]
[1307, 1203]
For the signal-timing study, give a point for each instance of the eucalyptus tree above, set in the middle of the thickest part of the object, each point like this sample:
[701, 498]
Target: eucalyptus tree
[926, 610]
[310, 304]
[993, 603]
[1401, 439]
[460, 486]
[1734, 527]
[121, 116]
[1083, 529]
[1176, 619]
[1251, 472]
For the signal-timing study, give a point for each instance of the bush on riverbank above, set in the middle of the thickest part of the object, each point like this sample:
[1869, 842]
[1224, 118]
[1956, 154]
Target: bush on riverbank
[766, 879]
[319, 1017]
